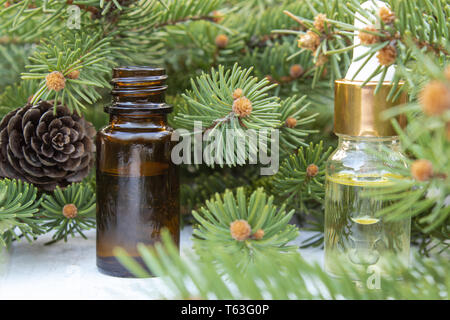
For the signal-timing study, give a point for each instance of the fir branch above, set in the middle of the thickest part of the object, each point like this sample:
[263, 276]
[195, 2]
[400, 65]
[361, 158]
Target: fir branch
[211, 103]
[68, 212]
[211, 100]
[294, 119]
[334, 40]
[81, 60]
[301, 177]
[245, 227]
[19, 205]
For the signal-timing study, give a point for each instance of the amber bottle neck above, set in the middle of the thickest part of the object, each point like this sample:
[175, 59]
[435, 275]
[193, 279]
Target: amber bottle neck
[138, 89]
[145, 118]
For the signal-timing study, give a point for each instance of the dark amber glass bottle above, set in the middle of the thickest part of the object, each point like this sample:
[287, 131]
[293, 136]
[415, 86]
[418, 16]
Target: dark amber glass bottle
[137, 184]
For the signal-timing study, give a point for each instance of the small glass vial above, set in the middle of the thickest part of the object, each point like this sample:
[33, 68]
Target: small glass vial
[354, 233]
[137, 184]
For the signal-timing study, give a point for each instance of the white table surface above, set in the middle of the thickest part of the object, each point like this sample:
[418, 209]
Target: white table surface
[67, 270]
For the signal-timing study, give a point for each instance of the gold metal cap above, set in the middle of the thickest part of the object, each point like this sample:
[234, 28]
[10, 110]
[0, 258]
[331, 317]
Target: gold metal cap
[357, 110]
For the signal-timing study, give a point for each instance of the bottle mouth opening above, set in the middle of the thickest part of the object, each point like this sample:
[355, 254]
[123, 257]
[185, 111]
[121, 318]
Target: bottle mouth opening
[137, 71]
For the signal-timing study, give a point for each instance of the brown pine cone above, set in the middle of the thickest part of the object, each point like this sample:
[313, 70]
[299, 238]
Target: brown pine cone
[46, 149]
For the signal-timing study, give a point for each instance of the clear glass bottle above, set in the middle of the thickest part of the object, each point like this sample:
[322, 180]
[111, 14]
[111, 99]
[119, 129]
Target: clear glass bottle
[362, 163]
[137, 184]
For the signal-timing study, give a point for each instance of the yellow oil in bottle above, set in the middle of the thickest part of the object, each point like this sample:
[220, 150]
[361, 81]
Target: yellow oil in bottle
[353, 232]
